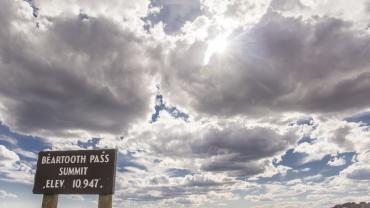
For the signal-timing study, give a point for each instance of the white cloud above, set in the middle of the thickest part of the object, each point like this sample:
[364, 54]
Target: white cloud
[12, 169]
[360, 170]
[128, 12]
[5, 195]
[6, 156]
[8, 139]
[337, 161]
[75, 197]
[332, 136]
[25, 153]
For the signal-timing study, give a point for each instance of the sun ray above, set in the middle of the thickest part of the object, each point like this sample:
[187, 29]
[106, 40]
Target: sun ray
[215, 46]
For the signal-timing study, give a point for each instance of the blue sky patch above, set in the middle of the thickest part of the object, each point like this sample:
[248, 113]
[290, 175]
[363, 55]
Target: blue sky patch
[176, 172]
[363, 118]
[127, 160]
[35, 10]
[13, 140]
[89, 144]
[160, 105]
[293, 160]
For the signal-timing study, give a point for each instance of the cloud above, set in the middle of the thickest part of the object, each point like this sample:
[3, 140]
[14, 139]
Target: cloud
[360, 170]
[233, 148]
[4, 195]
[363, 118]
[129, 11]
[237, 13]
[7, 155]
[8, 139]
[75, 197]
[337, 161]
[286, 5]
[311, 8]
[332, 136]
[161, 189]
[100, 90]
[281, 64]
[360, 173]
[238, 150]
[172, 13]
[12, 168]
[195, 163]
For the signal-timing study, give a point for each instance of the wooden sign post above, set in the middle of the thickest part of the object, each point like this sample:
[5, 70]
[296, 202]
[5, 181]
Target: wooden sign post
[49, 201]
[105, 201]
[76, 172]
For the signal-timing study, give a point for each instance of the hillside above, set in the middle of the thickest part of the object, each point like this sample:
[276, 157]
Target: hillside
[353, 205]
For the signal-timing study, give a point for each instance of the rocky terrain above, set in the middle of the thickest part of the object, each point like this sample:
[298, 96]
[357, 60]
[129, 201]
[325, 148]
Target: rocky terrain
[353, 205]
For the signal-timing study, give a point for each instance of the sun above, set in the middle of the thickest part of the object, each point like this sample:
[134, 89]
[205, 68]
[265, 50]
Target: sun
[218, 45]
[215, 46]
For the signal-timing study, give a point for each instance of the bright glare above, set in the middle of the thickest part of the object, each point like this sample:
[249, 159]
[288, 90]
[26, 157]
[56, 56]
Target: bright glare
[217, 45]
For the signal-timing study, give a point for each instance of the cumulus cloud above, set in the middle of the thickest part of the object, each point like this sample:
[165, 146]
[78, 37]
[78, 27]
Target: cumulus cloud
[281, 64]
[360, 170]
[128, 12]
[194, 163]
[309, 8]
[100, 90]
[231, 148]
[7, 155]
[359, 173]
[12, 168]
[332, 136]
[169, 191]
[337, 161]
[4, 195]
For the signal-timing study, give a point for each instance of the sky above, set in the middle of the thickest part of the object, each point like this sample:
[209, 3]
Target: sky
[210, 103]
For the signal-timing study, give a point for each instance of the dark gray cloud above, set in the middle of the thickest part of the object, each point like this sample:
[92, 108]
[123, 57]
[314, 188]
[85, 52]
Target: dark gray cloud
[367, 7]
[235, 168]
[349, 93]
[242, 143]
[237, 150]
[233, 149]
[282, 64]
[340, 138]
[361, 173]
[75, 75]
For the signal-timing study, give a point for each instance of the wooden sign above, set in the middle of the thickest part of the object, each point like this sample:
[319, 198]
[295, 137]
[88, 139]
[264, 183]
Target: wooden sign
[76, 172]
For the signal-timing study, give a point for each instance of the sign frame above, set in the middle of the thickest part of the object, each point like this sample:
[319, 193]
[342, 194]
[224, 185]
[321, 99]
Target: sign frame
[92, 163]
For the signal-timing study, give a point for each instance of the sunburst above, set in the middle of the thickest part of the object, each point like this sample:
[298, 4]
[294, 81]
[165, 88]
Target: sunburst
[215, 46]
